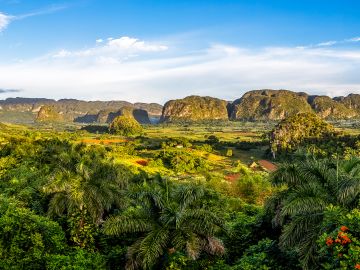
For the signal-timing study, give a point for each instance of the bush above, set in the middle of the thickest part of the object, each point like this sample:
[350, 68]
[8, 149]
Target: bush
[204, 147]
[176, 142]
[229, 152]
[125, 126]
[26, 239]
[78, 259]
[182, 161]
[340, 248]
[212, 139]
[253, 187]
[265, 255]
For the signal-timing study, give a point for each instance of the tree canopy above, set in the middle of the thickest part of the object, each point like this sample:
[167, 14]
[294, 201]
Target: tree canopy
[125, 125]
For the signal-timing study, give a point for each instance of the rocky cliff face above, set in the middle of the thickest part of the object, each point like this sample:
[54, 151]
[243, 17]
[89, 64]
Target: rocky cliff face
[48, 113]
[194, 108]
[279, 104]
[327, 108]
[352, 102]
[254, 105]
[107, 116]
[24, 104]
[78, 110]
[268, 105]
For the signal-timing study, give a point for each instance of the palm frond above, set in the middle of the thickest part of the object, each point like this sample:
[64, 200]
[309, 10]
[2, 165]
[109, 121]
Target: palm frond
[201, 221]
[287, 173]
[187, 194]
[294, 232]
[58, 204]
[153, 246]
[303, 205]
[117, 225]
[193, 246]
[351, 166]
[349, 191]
[214, 246]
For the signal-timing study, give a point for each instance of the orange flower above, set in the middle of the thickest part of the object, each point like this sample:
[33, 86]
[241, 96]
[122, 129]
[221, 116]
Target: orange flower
[329, 241]
[337, 240]
[346, 241]
[357, 266]
[344, 228]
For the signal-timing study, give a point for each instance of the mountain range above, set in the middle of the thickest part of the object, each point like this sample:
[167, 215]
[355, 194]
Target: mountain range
[255, 105]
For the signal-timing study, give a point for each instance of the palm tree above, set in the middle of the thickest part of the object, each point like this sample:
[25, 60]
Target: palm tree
[169, 219]
[84, 185]
[311, 186]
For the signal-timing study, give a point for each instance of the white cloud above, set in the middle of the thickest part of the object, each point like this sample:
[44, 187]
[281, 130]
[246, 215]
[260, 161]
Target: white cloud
[4, 21]
[327, 43]
[133, 44]
[334, 42]
[117, 49]
[62, 53]
[110, 71]
[355, 39]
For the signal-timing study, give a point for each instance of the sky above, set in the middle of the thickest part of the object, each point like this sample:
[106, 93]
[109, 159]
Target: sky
[156, 50]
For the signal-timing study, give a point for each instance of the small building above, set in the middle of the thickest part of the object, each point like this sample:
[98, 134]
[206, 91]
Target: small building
[267, 165]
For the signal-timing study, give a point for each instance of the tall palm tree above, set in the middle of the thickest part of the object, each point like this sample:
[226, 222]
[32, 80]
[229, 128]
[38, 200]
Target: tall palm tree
[169, 219]
[86, 185]
[311, 186]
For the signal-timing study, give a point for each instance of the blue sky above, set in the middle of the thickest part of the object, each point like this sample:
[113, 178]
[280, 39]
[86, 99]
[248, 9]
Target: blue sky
[157, 50]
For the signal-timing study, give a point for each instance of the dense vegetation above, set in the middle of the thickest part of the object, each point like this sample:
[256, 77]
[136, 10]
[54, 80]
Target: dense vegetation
[194, 108]
[297, 129]
[310, 135]
[193, 197]
[125, 125]
[269, 105]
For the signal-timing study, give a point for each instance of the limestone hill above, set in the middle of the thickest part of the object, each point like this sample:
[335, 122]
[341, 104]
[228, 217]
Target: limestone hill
[195, 108]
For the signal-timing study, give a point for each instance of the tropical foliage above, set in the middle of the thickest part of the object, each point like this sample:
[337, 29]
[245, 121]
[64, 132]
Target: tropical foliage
[75, 200]
[310, 187]
[125, 126]
[171, 219]
[293, 131]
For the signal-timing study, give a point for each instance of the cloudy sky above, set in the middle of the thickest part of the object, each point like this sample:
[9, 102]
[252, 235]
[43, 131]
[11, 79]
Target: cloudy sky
[155, 50]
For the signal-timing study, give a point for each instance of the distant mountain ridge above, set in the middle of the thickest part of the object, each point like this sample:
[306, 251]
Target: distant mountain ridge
[262, 105]
[74, 110]
[255, 105]
[270, 104]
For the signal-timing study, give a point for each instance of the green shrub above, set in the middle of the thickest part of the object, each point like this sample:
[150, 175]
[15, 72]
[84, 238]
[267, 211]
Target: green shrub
[229, 152]
[183, 161]
[205, 147]
[78, 259]
[26, 239]
[212, 139]
[265, 255]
